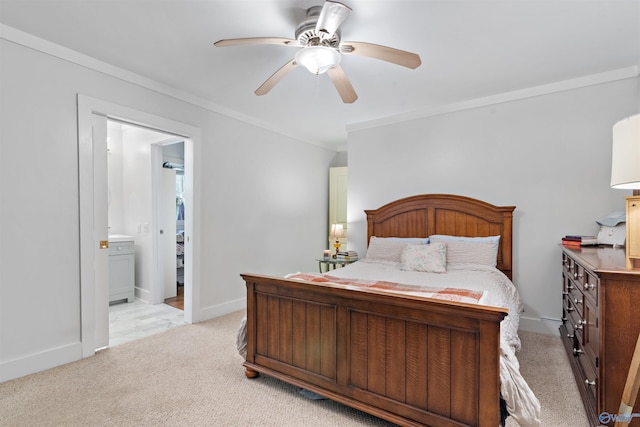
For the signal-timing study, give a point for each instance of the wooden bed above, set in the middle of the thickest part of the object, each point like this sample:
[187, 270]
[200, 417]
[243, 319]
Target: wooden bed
[410, 360]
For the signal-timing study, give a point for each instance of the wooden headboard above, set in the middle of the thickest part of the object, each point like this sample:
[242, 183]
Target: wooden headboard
[428, 214]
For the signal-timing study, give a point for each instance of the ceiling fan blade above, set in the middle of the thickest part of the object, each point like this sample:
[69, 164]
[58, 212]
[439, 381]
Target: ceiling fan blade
[256, 40]
[331, 17]
[342, 84]
[385, 53]
[276, 77]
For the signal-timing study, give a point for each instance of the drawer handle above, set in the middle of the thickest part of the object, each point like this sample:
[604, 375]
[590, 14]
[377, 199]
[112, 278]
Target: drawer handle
[569, 287]
[577, 301]
[568, 309]
[588, 286]
[570, 336]
[591, 383]
[577, 327]
[577, 351]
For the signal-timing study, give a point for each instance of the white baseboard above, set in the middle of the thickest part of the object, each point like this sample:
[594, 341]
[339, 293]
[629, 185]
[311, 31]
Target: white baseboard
[541, 325]
[143, 295]
[40, 361]
[221, 309]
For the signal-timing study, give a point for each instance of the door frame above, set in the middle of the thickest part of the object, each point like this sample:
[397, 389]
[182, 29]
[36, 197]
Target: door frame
[101, 214]
[87, 108]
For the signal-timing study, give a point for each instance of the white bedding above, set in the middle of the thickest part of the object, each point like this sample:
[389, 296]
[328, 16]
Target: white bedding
[499, 290]
[522, 404]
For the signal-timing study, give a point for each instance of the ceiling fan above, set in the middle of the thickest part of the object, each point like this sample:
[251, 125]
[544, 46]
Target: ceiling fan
[321, 51]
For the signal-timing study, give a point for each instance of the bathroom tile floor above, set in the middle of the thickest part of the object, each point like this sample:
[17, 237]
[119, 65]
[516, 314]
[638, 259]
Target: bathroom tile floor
[135, 320]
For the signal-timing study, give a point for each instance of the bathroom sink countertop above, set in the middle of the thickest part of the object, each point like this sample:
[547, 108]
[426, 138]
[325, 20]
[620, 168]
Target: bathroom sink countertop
[120, 238]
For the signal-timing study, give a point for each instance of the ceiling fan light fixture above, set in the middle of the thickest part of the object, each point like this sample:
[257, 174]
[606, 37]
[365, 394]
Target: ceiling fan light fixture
[318, 59]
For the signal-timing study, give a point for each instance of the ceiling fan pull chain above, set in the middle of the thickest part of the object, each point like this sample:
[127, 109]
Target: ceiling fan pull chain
[317, 86]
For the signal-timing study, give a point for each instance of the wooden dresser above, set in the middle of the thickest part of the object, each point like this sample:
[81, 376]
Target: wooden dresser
[600, 325]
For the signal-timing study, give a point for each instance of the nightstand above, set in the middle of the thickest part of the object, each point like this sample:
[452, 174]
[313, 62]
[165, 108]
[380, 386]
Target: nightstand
[333, 263]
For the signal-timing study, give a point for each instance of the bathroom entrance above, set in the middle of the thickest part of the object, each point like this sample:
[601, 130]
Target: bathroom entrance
[93, 115]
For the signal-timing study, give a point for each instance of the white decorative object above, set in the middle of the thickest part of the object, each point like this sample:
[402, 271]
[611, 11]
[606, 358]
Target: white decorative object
[625, 154]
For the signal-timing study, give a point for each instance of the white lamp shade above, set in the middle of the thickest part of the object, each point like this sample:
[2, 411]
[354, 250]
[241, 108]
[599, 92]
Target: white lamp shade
[625, 155]
[318, 59]
[337, 232]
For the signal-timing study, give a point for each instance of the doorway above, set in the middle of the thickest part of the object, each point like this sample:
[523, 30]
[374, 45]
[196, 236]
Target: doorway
[142, 210]
[93, 115]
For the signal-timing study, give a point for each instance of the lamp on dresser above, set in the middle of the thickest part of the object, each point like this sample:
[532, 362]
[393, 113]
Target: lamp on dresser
[625, 174]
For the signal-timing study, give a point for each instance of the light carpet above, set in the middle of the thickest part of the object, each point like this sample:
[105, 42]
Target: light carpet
[192, 376]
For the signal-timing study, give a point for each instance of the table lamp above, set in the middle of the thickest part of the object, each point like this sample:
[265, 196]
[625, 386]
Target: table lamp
[336, 234]
[625, 174]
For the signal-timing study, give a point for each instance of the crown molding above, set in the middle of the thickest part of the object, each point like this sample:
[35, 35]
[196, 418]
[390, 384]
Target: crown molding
[33, 42]
[590, 80]
[44, 46]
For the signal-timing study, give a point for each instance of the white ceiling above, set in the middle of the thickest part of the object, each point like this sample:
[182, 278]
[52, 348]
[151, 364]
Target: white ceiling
[470, 49]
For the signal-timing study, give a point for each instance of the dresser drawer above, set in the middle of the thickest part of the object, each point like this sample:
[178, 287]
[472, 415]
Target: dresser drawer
[568, 264]
[590, 287]
[121, 248]
[575, 270]
[575, 295]
[567, 308]
[591, 333]
[570, 288]
[576, 324]
[588, 378]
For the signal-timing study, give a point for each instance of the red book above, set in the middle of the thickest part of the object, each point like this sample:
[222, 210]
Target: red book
[577, 238]
[584, 241]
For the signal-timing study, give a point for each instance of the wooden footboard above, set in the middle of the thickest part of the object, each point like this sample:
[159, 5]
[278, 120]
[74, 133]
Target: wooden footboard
[410, 360]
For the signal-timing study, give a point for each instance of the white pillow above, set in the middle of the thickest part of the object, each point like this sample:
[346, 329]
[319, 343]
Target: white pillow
[470, 251]
[431, 258]
[390, 248]
[489, 239]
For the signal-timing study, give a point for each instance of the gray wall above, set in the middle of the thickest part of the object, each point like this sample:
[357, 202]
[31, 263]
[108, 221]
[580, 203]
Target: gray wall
[255, 203]
[549, 155]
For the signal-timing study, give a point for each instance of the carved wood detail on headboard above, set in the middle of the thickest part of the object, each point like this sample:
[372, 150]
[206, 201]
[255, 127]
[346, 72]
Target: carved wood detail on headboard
[428, 214]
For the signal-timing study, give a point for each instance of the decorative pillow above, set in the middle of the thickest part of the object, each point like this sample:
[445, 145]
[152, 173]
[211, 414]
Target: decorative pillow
[431, 258]
[390, 248]
[470, 251]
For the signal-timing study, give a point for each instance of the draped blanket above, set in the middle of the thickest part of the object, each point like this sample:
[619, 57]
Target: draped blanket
[447, 294]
